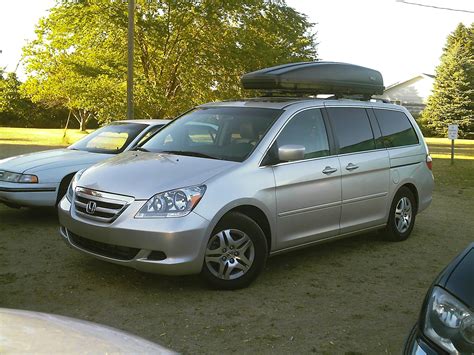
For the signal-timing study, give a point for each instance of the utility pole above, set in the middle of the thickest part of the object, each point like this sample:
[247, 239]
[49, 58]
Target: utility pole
[131, 29]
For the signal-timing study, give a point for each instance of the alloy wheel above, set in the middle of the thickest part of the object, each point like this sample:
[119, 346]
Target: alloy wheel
[230, 254]
[403, 214]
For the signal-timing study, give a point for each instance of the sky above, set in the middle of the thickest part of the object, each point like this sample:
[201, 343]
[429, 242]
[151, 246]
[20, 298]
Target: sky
[398, 39]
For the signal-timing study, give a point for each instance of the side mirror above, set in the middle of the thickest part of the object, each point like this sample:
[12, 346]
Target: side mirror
[291, 152]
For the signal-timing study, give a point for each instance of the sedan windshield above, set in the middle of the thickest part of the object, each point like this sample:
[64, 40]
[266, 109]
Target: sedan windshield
[111, 139]
[227, 133]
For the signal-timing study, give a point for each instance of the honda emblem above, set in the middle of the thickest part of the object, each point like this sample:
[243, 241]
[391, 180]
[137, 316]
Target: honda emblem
[91, 207]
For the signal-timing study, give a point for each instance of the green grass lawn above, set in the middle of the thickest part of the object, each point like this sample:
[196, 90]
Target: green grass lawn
[39, 136]
[439, 147]
[459, 176]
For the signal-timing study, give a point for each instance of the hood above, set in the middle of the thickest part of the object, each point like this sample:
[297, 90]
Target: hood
[461, 279]
[142, 174]
[50, 333]
[49, 159]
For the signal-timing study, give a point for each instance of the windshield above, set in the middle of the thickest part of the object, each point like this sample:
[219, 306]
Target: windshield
[110, 139]
[227, 133]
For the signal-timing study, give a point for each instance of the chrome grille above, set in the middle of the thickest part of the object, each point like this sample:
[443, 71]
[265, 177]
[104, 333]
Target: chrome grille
[99, 206]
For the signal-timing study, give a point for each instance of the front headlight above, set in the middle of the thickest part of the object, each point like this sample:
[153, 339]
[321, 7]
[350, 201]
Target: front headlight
[30, 179]
[449, 323]
[8, 176]
[72, 186]
[175, 203]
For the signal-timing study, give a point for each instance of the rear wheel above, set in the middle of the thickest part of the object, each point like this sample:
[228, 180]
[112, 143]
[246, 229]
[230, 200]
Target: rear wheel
[235, 254]
[402, 216]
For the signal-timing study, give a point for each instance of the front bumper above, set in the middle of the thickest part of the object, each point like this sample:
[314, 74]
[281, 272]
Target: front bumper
[182, 241]
[28, 194]
[418, 344]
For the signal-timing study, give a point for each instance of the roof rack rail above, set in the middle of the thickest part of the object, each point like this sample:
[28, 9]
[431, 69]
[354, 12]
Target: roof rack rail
[359, 97]
[379, 99]
[315, 78]
[283, 93]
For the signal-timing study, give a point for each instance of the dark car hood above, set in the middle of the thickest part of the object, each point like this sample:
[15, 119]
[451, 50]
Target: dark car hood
[142, 175]
[458, 277]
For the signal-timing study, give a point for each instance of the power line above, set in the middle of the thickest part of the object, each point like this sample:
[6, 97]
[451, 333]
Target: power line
[435, 7]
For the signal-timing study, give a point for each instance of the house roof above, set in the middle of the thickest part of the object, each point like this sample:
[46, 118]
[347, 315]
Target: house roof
[423, 75]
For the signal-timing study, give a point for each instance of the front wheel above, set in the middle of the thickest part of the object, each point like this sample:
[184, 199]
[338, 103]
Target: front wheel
[235, 254]
[402, 216]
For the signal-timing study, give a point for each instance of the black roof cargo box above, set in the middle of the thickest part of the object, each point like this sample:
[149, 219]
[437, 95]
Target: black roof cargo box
[316, 78]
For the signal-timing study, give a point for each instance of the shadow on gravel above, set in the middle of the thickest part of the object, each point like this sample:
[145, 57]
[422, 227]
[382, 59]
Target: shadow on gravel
[124, 279]
[332, 252]
[278, 268]
[30, 216]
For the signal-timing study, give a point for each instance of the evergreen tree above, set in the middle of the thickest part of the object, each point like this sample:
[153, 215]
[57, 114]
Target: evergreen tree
[452, 101]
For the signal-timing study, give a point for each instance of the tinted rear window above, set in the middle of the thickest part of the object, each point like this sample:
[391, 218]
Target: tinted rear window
[396, 128]
[352, 129]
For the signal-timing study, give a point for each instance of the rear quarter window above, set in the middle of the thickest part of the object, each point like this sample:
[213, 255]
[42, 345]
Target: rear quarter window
[396, 128]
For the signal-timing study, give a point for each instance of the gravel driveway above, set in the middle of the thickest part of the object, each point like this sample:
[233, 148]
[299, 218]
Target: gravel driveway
[358, 295]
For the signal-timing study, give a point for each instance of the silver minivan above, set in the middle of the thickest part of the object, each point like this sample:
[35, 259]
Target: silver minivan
[228, 184]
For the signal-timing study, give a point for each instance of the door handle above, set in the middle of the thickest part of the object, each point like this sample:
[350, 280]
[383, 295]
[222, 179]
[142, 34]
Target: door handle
[351, 166]
[328, 170]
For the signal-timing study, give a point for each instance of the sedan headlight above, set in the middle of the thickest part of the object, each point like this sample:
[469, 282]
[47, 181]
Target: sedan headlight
[8, 176]
[72, 185]
[175, 203]
[449, 323]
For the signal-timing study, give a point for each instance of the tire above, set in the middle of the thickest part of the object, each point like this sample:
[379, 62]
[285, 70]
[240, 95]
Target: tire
[236, 253]
[402, 216]
[63, 186]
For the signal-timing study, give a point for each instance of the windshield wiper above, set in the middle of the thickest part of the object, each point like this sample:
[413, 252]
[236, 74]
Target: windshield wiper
[188, 153]
[140, 149]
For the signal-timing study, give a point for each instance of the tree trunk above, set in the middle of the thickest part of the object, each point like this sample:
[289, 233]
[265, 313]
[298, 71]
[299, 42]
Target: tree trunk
[82, 117]
[82, 124]
[67, 124]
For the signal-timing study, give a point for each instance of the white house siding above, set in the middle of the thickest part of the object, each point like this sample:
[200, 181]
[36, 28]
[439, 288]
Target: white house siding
[412, 93]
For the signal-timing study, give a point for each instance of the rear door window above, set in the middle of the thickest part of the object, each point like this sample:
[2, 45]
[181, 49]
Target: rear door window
[352, 129]
[396, 128]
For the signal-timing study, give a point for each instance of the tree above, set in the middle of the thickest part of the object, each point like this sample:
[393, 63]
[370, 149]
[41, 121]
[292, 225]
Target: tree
[452, 101]
[19, 111]
[13, 106]
[186, 52]
[73, 63]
